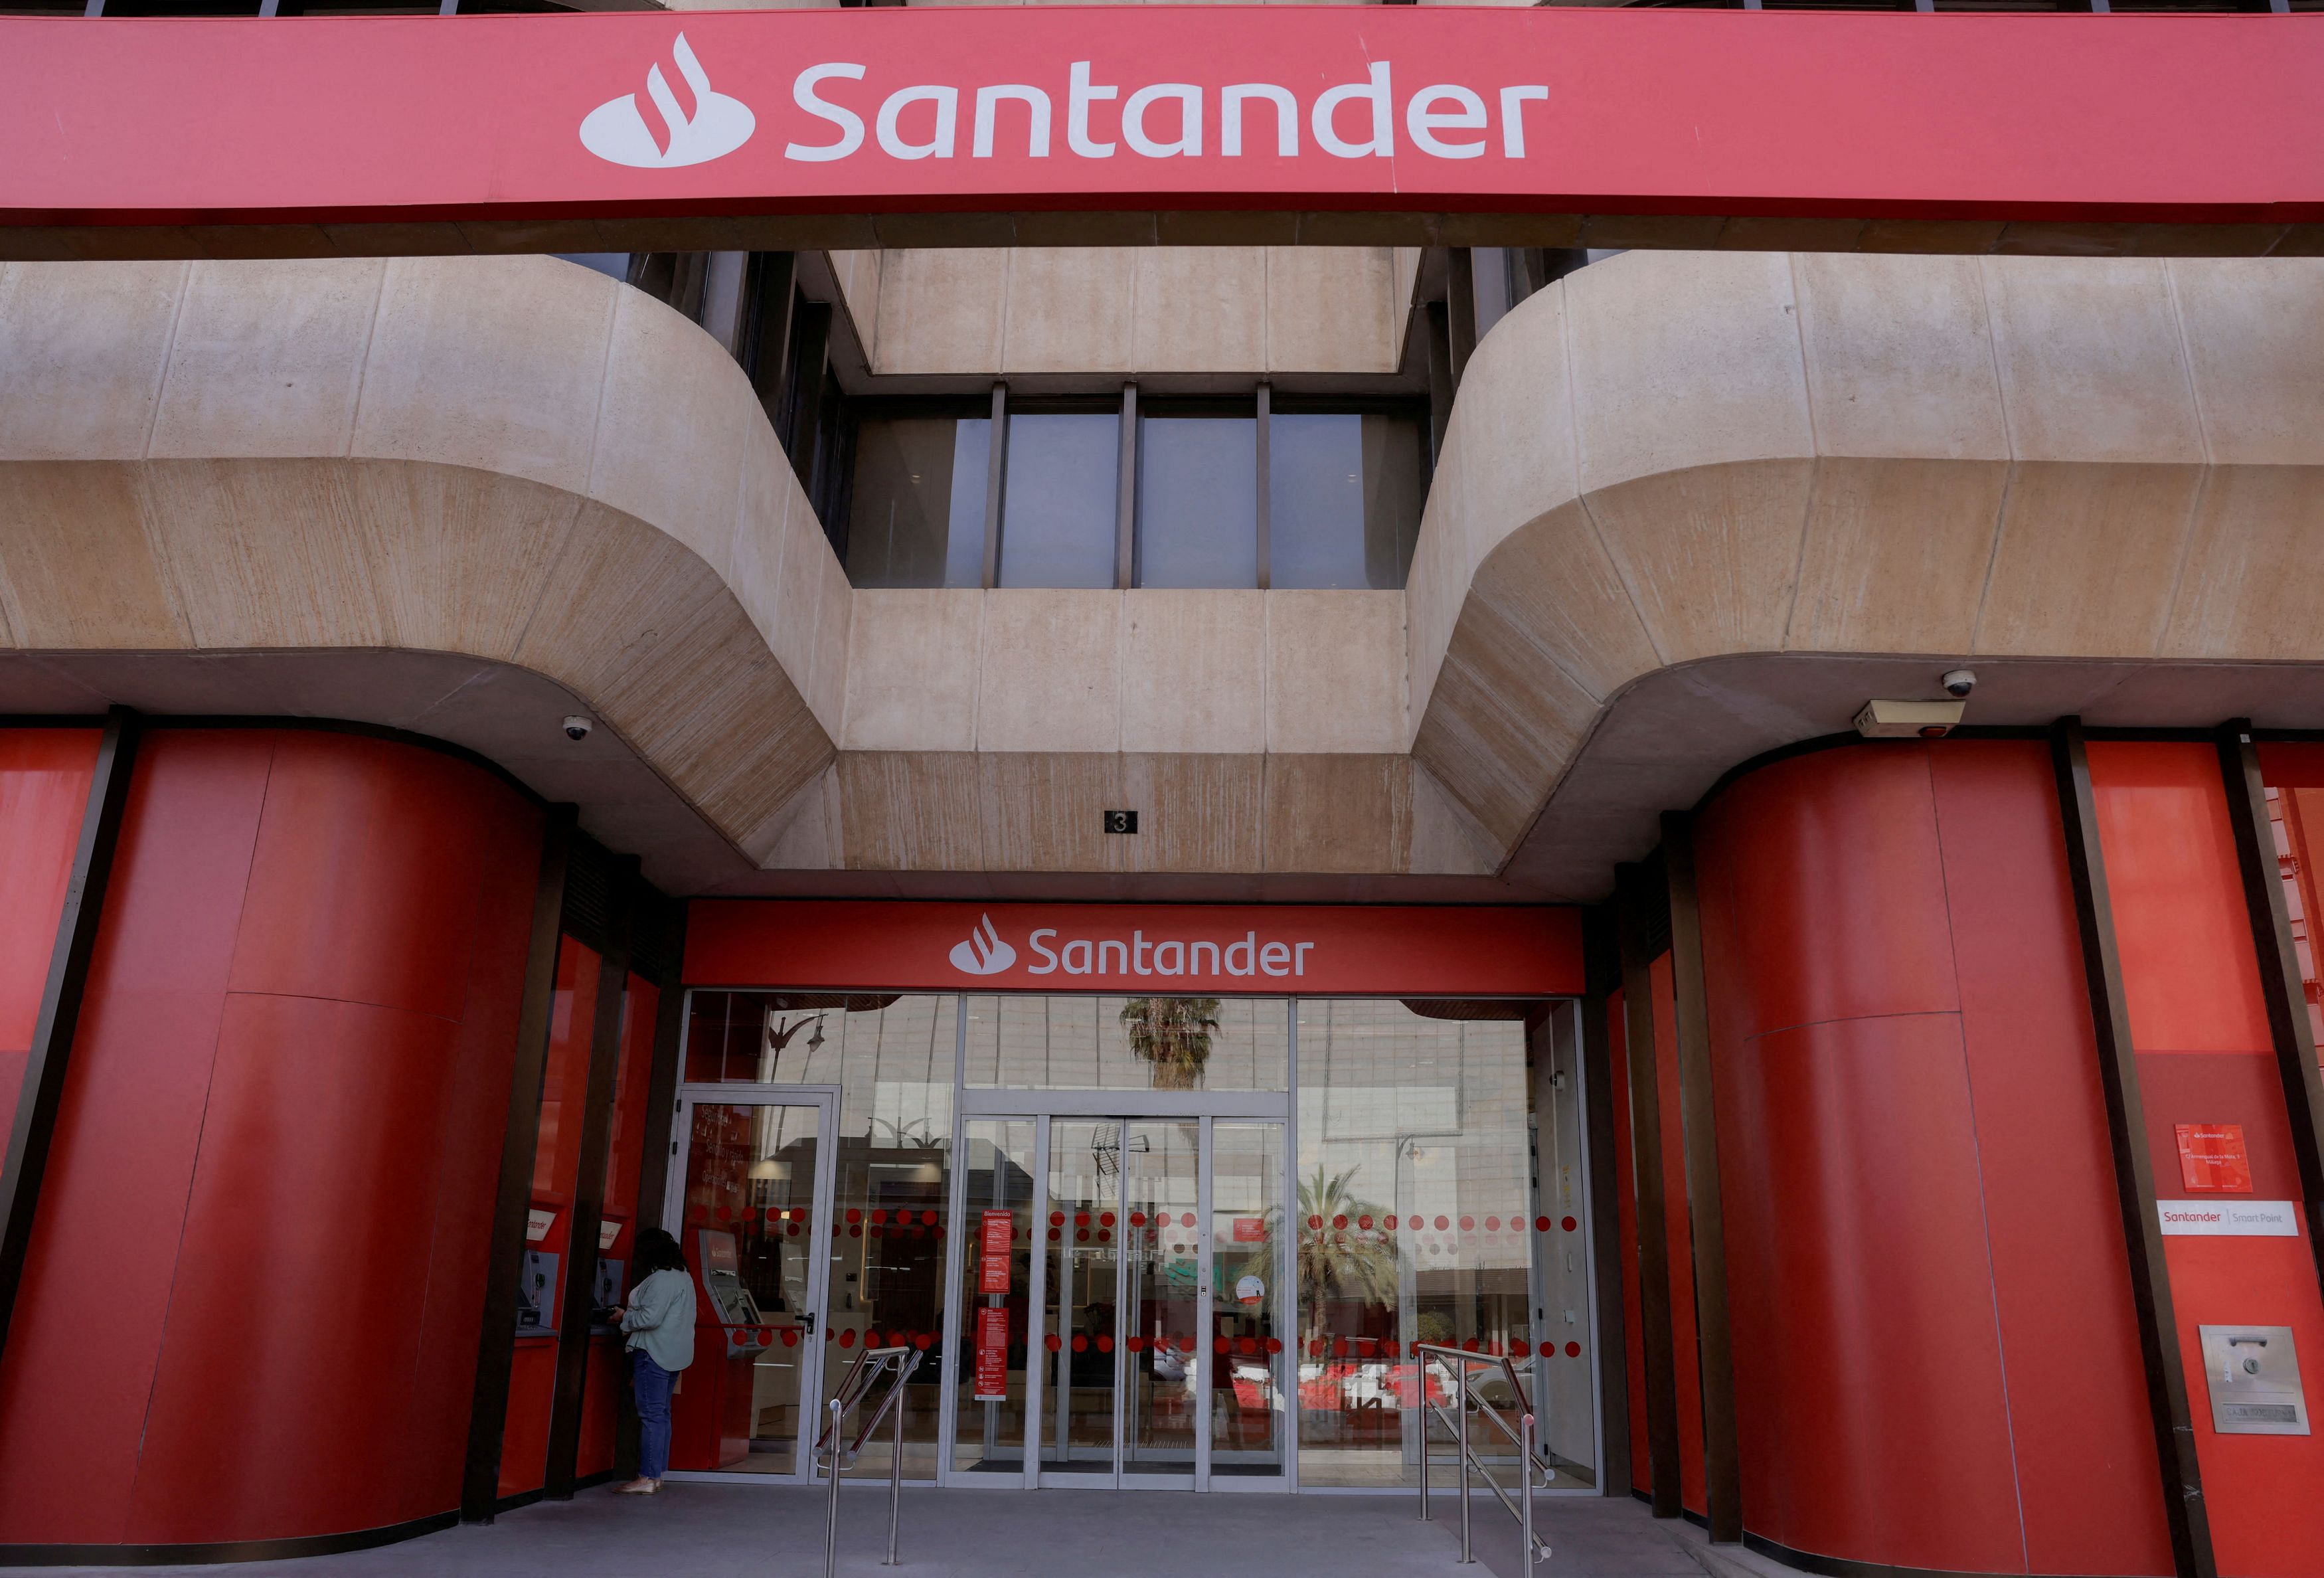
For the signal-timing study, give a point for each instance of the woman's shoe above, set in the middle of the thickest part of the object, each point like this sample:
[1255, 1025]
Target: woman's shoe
[638, 1488]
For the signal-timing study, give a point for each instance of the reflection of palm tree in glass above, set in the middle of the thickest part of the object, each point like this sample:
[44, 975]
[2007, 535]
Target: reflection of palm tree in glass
[1346, 1262]
[1172, 1034]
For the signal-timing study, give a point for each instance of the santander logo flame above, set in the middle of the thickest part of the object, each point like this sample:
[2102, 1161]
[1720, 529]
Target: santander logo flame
[617, 130]
[984, 953]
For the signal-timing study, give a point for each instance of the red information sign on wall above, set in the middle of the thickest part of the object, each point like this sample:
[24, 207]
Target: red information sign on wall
[1250, 1229]
[993, 1353]
[997, 1238]
[2213, 1159]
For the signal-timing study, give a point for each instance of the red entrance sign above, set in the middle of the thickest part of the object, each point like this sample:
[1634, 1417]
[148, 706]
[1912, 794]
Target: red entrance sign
[993, 1353]
[2213, 1159]
[1249, 1230]
[996, 1241]
[1556, 110]
[1314, 950]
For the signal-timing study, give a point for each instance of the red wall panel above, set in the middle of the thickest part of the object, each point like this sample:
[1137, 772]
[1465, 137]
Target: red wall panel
[235, 1326]
[86, 1333]
[2085, 1443]
[1918, 1189]
[1625, 1212]
[1678, 1225]
[2205, 1056]
[44, 775]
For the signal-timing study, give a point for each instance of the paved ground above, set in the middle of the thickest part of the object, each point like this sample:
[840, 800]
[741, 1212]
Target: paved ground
[716, 1531]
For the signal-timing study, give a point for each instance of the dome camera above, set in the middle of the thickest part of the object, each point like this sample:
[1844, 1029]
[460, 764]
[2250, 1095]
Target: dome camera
[1960, 682]
[576, 728]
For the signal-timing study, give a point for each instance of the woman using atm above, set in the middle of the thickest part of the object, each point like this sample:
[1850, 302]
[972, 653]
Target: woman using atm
[659, 1321]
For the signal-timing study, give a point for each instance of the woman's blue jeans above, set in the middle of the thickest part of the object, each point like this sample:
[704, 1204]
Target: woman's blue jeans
[651, 1383]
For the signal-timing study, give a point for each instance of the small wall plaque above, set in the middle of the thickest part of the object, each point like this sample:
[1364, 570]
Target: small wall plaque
[1121, 821]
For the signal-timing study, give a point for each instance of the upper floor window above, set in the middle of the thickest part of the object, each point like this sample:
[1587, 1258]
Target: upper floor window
[1223, 493]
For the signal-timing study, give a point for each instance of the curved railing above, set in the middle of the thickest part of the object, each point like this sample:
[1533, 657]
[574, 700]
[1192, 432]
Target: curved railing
[834, 1450]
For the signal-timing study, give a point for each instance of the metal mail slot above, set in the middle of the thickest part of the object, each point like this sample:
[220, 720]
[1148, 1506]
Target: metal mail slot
[2253, 1375]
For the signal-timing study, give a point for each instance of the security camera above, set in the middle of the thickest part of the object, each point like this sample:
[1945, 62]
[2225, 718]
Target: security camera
[576, 728]
[1960, 682]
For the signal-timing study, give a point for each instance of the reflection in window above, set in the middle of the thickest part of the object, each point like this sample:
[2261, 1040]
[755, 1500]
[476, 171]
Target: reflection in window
[1343, 500]
[1197, 501]
[1060, 504]
[1129, 1042]
[1414, 1223]
[918, 516]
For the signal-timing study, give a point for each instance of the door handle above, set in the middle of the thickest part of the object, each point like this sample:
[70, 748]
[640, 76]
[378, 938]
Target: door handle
[807, 1319]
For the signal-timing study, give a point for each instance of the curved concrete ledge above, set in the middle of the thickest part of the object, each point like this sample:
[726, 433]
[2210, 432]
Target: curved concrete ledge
[2050, 468]
[515, 460]
[1691, 506]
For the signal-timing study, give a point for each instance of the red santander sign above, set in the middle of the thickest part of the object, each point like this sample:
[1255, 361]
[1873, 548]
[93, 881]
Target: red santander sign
[1160, 109]
[1314, 950]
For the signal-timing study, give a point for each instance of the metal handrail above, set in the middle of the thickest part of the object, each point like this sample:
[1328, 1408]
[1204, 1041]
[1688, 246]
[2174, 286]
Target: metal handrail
[869, 1365]
[1456, 1363]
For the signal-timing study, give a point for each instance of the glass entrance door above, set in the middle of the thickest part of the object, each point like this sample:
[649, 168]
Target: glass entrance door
[753, 1205]
[1160, 1345]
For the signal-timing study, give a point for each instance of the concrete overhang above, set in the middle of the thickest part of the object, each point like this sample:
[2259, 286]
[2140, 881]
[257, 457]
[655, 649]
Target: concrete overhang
[1692, 507]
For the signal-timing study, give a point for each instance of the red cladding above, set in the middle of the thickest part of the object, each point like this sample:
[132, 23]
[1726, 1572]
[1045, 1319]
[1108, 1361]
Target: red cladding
[272, 1147]
[44, 775]
[2205, 1057]
[1917, 1186]
[1626, 1212]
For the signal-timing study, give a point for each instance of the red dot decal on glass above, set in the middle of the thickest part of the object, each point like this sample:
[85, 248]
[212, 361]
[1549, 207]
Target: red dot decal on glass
[793, 1230]
[847, 1338]
[766, 1336]
[1574, 1350]
[871, 1337]
[925, 1340]
[1138, 1344]
[1105, 1219]
[854, 1215]
[1056, 1234]
[1471, 1345]
[1569, 1224]
[1442, 1223]
[1364, 1221]
[1339, 1347]
[1492, 1224]
[1391, 1225]
[1315, 1222]
[1340, 1221]
[1187, 1220]
[1468, 1224]
[1104, 1344]
[1275, 1344]
[879, 1216]
[1081, 1344]
[1052, 1343]
[1137, 1218]
[1245, 1344]
[1218, 1344]
[928, 1219]
[1081, 1235]
[1056, 1219]
[1185, 1344]
[855, 1232]
[725, 1213]
[1541, 1224]
[1081, 1219]
[1103, 1236]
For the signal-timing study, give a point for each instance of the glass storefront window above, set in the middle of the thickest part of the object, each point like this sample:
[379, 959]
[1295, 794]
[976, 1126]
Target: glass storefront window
[1197, 501]
[1129, 1042]
[917, 515]
[1059, 512]
[1248, 1328]
[1343, 499]
[997, 1159]
[1414, 1222]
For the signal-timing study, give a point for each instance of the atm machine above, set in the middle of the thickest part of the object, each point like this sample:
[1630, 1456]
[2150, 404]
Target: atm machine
[536, 1295]
[710, 1416]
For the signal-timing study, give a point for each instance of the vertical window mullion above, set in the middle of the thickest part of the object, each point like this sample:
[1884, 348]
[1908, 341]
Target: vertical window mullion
[1125, 544]
[1266, 567]
[995, 472]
